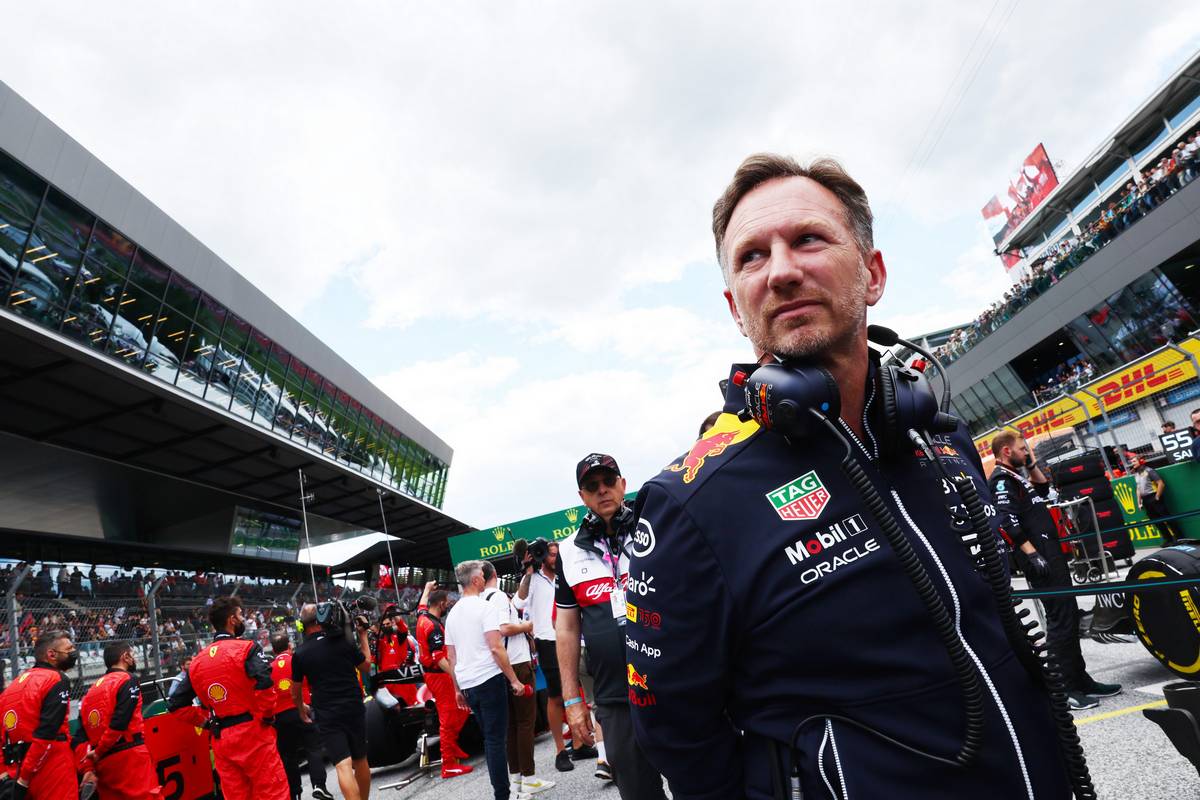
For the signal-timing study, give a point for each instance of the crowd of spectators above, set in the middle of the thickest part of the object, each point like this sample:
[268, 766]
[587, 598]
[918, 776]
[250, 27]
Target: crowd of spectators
[1138, 198]
[1064, 379]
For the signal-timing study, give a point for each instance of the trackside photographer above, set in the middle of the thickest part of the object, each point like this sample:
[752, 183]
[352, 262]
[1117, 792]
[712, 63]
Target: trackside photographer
[335, 669]
[34, 710]
[806, 615]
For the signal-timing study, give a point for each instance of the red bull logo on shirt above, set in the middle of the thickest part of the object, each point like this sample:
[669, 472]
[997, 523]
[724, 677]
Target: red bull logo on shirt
[637, 680]
[800, 499]
[728, 431]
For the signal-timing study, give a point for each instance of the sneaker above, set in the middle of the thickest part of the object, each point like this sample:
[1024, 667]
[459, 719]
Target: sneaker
[454, 770]
[321, 793]
[562, 761]
[1097, 689]
[585, 752]
[534, 784]
[1078, 701]
[602, 771]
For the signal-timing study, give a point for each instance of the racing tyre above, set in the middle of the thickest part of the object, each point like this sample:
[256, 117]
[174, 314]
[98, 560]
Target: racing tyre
[1164, 618]
[391, 737]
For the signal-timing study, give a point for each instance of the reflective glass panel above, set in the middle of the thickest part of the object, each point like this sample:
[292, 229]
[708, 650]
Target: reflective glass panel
[57, 244]
[1180, 116]
[109, 250]
[20, 190]
[137, 311]
[272, 399]
[200, 354]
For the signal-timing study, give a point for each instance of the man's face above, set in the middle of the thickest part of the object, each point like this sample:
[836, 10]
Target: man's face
[551, 558]
[602, 492]
[798, 285]
[1168, 427]
[1196, 420]
[1018, 453]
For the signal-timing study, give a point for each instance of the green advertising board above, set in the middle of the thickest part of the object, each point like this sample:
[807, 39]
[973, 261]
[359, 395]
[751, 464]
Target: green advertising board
[1181, 495]
[495, 542]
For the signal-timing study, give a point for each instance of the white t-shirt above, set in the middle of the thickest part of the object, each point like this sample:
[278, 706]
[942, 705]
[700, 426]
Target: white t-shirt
[518, 645]
[540, 605]
[465, 626]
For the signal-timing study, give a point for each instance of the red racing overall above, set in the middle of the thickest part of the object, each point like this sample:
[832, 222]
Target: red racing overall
[34, 711]
[232, 679]
[392, 656]
[111, 715]
[431, 638]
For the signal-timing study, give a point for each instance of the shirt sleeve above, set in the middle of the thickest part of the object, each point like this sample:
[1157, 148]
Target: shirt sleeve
[54, 710]
[1153, 476]
[182, 694]
[258, 667]
[677, 678]
[298, 673]
[122, 715]
[564, 595]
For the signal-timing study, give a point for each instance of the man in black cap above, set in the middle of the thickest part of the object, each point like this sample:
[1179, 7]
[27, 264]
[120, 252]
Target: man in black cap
[593, 570]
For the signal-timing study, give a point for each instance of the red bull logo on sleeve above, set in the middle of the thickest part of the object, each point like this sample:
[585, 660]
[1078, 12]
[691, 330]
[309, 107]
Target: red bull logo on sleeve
[727, 431]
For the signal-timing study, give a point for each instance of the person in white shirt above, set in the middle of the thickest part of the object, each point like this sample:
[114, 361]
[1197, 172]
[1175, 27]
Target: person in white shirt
[480, 667]
[522, 711]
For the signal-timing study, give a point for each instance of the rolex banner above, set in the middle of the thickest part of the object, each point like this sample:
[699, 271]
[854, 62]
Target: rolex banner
[492, 543]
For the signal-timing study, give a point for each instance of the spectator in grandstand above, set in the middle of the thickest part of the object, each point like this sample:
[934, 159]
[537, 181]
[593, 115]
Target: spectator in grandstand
[1168, 427]
[1150, 489]
[479, 663]
[431, 644]
[332, 665]
[593, 567]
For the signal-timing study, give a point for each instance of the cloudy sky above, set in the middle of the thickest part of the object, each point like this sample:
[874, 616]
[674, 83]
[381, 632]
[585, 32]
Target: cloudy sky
[499, 212]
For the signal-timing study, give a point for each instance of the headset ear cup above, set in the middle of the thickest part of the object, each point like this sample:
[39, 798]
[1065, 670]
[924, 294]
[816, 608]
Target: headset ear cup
[891, 433]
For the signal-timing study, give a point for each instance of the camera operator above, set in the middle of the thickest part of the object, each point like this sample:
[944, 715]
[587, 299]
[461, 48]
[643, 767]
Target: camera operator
[535, 596]
[335, 670]
[431, 643]
[34, 710]
[295, 737]
[1021, 505]
[232, 679]
[774, 637]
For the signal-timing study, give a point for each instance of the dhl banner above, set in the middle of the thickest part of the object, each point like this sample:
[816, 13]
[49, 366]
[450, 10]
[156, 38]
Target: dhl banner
[1161, 370]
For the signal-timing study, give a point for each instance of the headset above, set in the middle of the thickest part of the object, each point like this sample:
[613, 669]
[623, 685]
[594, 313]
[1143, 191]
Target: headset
[800, 400]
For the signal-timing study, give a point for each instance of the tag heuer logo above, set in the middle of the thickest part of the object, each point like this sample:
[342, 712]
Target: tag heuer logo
[801, 499]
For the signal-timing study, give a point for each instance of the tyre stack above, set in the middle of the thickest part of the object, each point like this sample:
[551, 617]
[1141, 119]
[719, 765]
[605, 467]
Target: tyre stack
[1084, 476]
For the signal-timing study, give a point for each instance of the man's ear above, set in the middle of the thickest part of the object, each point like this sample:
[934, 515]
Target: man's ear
[733, 311]
[876, 277]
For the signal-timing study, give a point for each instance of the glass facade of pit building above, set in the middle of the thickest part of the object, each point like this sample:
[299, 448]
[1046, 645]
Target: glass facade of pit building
[71, 272]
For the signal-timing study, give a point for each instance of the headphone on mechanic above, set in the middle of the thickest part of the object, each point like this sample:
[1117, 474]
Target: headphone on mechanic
[782, 396]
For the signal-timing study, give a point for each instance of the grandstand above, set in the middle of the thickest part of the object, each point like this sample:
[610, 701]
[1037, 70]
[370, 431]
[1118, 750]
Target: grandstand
[1100, 320]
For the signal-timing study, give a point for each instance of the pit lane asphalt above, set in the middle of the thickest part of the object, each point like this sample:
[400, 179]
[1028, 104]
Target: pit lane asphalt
[1130, 757]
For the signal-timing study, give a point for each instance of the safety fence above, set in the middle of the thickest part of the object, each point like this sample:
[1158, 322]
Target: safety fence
[164, 631]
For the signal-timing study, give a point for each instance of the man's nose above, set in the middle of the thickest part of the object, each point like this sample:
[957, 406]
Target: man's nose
[786, 267]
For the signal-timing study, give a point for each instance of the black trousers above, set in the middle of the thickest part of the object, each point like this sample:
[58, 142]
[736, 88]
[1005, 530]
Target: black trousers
[296, 740]
[1062, 625]
[1155, 509]
[635, 776]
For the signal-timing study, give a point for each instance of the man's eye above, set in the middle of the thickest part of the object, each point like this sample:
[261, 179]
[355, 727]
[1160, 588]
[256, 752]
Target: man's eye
[807, 238]
[750, 256]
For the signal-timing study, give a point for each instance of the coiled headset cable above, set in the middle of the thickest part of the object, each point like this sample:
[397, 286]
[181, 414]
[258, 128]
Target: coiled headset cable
[1039, 662]
[964, 668]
